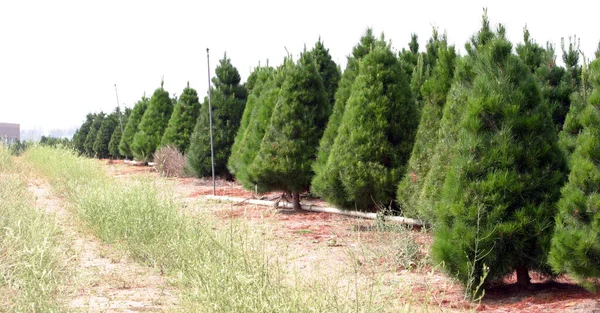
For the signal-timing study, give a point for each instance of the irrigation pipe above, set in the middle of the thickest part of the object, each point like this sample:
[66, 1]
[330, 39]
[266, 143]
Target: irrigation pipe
[312, 208]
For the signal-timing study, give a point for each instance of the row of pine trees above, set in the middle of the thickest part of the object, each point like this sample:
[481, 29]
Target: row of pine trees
[498, 149]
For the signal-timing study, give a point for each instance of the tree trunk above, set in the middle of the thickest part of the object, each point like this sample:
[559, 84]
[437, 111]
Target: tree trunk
[523, 278]
[296, 200]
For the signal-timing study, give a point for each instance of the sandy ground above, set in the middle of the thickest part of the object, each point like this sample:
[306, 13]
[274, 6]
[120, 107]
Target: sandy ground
[343, 248]
[104, 280]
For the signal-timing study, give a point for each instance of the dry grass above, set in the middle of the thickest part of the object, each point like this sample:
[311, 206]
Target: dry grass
[169, 162]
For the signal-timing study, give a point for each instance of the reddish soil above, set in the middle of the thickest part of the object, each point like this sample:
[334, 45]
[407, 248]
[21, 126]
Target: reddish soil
[320, 238]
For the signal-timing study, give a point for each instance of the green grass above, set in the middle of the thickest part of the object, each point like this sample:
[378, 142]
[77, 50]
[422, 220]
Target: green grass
[222, 266]
[31, 256]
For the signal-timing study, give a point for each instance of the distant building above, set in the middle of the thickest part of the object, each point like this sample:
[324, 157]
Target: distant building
[10, 133]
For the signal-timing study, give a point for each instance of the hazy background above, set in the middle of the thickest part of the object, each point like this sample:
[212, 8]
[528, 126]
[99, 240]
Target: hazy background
[59, 60]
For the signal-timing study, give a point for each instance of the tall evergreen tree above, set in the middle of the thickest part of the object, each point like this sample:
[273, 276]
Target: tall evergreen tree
[375, 137]
[115, 138]
[364, 47]
[81, 134]
[109, 123]
[132, 126]
[329, 71]
[500, 191]
[153, 124]
[182, 120]
[448, 134]
[255, 120]
[88, 145]
[435, 91]
[228, 102]
[288, 148]
[576, 242]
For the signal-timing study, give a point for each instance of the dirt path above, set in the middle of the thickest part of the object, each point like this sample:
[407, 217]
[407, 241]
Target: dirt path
[104, 280]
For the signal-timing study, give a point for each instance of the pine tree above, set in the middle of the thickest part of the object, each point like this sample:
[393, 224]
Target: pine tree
[132, 126]
[375, 137]
[575, 248]
[500, 191]
[109, 123]
[597, 53]
[435, 91]
[88, 145]
[429, 198]
[182, 120]
[554, 80]
[364, 47]
[288, 148]
[81, 134]
[153, 124]
[255, 120]
[410, 57]
[571, 58]
[329, 71]
[115, 138]
[228, 102]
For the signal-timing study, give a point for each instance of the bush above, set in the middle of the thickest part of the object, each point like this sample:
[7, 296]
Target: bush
[169, 162]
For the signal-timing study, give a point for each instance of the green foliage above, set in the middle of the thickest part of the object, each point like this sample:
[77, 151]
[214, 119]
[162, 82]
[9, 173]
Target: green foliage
[115, 138]
[498, 199]
[228, 102]
[88, 145]
[54, 142]
[375, 137]
[132, 126]
[81, 134]
[152, 126]
[182, 120]
[104, 134]
[255, 121]
[571, 58]
[554, 81]
[573, 125]
[575, 245]
[410, 57]
[435, 91]
[364, 47]
[288, 148]
[329, 71]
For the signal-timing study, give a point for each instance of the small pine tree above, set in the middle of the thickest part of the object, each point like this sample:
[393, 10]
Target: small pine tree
[435, 91]
[115, 138]
[375, 137]
[91, 136]
[104, 133]
[571, 58]
[575, 249]
[364, 47]
[289, 146]
[182, 120]
[254, 122]
[228, 102]
[81, 134]
[501, 188]
[153, 124]
[410, 57]
[132, 126]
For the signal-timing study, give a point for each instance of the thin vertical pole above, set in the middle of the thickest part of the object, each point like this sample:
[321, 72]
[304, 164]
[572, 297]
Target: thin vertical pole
[119, 106]
[212, 151]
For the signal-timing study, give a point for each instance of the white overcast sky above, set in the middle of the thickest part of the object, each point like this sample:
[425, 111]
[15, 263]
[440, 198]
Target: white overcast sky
[59, 60]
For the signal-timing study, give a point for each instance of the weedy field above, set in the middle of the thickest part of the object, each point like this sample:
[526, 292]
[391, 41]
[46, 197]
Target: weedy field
[96, 236]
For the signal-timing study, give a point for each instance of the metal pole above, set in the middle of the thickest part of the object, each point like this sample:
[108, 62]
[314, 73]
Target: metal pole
[212, 151]
[119, 106]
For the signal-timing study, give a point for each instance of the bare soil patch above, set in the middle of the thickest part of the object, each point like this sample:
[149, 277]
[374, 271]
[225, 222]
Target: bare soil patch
[104, 279]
